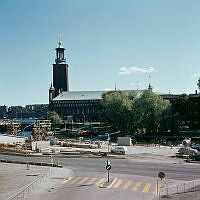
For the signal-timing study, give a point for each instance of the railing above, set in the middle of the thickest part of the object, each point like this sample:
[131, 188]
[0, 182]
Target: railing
[26, 190]
[190, 186]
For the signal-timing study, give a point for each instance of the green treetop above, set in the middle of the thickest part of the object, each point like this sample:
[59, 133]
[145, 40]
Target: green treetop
[54, 117]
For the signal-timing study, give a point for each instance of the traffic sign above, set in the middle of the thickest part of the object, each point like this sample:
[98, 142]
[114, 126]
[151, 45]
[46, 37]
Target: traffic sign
[108, 167]
[161, 175]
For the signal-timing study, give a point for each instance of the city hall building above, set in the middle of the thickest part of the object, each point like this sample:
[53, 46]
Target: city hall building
[84, 106]
[81, 106]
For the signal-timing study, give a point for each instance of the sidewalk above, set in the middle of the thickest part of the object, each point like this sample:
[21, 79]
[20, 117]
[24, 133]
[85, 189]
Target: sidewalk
[56, 176]
[185, 196]
[16, 176]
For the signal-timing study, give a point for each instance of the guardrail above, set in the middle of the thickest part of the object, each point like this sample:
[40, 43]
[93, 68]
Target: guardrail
[190, 186]
[26, 190]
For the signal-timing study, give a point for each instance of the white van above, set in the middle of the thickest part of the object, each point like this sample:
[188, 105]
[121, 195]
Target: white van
[120, 150]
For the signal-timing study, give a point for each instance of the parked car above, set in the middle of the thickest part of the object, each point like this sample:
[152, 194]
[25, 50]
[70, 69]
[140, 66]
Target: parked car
[187, 150]
[120, 150]
[195, 156]
[197, 147]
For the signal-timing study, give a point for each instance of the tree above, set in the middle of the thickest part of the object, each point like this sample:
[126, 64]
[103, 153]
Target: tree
[127, 112]
[115, 108]
[54, 117]
[132, 95]
[151, 112]
[180, 108]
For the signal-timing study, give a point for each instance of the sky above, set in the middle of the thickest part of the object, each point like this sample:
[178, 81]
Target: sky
[130, 42]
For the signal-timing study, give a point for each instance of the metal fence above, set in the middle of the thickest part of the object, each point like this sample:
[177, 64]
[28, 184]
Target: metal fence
[25, 191]
[190, 186]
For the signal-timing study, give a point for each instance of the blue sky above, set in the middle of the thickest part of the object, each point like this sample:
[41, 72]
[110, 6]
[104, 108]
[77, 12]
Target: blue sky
[105, 40]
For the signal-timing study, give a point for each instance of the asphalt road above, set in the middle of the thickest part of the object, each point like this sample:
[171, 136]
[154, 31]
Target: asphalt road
[149, 168]
[136, 179]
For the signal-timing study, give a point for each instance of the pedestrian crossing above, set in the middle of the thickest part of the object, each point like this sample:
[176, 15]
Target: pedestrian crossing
[134, 186]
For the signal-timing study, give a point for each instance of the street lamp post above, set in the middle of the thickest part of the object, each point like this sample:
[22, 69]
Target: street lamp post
[27, 165]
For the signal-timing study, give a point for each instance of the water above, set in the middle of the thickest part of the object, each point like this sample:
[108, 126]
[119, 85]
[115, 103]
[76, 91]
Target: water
[94, 138]
[24, 121]
[24, 134]
[63, 137]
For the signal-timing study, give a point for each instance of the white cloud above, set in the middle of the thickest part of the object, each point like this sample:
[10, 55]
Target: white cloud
[181, 91]
[108, 89]
[131, 70]
[156, 89]
[188, 91]
[197, 75]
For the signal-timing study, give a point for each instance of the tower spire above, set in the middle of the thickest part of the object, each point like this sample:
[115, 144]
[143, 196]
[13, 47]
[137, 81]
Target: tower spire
[59, 41]
[150, 87]
[60, 44]
[51, 92]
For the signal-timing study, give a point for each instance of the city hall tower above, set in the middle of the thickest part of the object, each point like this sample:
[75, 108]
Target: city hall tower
[60, 71]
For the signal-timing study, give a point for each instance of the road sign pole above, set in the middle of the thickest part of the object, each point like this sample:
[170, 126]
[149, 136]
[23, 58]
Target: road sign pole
[108, 168]
[157, 189]
[108, 162]
[108, 176]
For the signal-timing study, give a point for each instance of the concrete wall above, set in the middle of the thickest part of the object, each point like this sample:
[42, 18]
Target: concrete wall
[124, 141]
[40, 145]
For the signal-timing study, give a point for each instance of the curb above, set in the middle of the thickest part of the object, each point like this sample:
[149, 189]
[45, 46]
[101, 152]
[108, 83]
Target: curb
[64, 156]
[31, 163]
[192, 161]
[103, 185]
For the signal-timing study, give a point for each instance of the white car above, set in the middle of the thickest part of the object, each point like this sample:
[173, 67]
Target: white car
[187, 150]
[120, 150]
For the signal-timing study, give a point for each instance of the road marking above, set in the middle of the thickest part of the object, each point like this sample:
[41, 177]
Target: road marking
[137, 185]
[157, 189]
[118, 183]
[146, 188]
[66, 180]
[100, 181]
[127, 185]
[75, 180]
[83, 180]
[92, 180]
